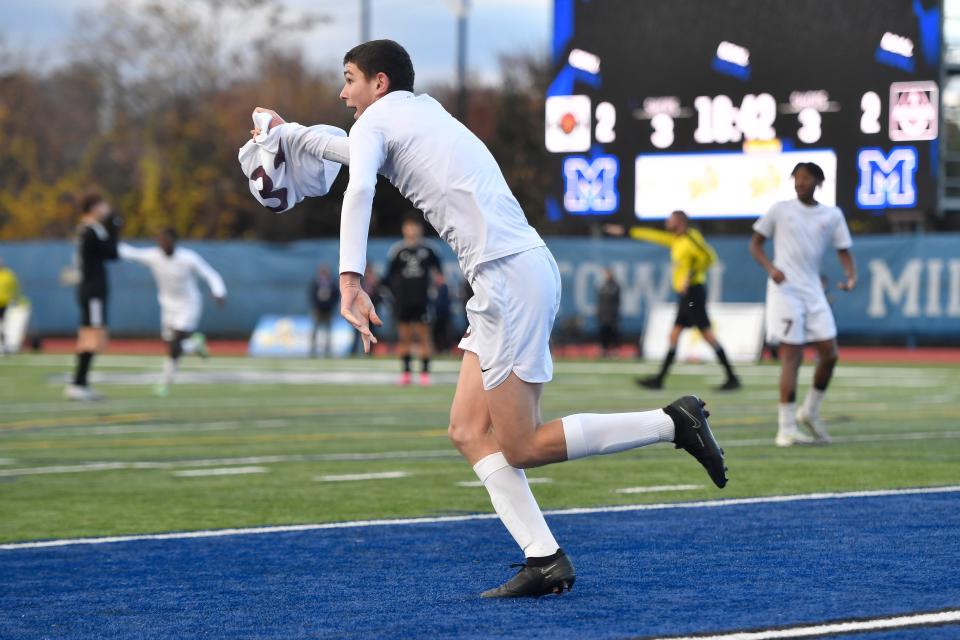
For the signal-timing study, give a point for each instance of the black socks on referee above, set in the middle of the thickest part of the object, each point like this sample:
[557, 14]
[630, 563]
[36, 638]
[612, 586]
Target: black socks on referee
[406, 363]
[722, 357]
[667, 362]
[84, 358]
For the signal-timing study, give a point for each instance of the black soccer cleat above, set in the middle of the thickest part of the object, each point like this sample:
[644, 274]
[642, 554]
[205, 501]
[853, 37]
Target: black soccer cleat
[732, 384]
[653, 382]
[555, 575]
[692, 433]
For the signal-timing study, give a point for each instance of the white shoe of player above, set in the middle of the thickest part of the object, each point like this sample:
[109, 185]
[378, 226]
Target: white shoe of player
[815, 425]
[790, 437]
[81, 394]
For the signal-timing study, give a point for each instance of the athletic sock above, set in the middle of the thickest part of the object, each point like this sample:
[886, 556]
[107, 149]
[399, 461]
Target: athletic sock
[787, 421]
[188, 345]
[589, 434]
[426, 365]
[667, 361]
[722, 357]
[170, 366]
[84, 359]
[811, 405]
[406, 363]
[516, 506]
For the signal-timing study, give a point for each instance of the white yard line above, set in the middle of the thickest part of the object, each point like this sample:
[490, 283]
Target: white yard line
[477, 483]
[355, 477]
[701, 504]
[660, 488]
[219, 471]
[835, 628]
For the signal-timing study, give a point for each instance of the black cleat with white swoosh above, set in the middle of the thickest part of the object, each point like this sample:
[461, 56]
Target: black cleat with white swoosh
[538, 577]
[692, 433]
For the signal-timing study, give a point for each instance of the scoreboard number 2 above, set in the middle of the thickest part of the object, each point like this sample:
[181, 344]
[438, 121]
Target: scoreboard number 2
[606, 119]
[871, 105]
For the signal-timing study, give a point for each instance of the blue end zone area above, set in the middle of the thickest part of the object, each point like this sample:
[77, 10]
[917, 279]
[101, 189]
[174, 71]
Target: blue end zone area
[641, 574]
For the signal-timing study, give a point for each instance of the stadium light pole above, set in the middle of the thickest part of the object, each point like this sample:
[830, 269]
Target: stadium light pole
[364, 20]
[461, 9]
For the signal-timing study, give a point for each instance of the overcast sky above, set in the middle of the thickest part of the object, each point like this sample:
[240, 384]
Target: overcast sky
[427, 28]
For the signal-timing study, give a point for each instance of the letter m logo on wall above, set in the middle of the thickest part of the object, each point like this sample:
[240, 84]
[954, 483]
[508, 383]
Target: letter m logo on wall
[590, 185]
[887, 180]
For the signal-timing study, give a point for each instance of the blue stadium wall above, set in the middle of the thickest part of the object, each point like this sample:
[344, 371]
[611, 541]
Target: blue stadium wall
[909, 285]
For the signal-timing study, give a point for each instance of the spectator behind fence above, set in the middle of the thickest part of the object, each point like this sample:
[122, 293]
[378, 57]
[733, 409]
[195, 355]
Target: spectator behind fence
[324, 293]
[608, 312]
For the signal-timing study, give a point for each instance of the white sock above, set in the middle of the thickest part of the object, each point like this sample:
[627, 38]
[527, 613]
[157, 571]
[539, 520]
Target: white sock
[811, 406]
[516, 506]
[590, 434]
[788, 417]
[188, 345]
[170, 367]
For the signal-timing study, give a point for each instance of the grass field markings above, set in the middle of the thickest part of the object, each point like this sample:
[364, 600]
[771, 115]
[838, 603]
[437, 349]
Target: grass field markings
[215, 411]
[850, 439]
[119, 465]
[252, 377]
[662, 506]
[477, 483]
[834, 627]
[219, 471]
[269, 438]
[6, 461]
[355, 477]
[660, 488]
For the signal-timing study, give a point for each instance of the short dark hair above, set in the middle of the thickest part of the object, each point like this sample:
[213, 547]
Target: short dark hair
[412, 216]
[812, 168]
[680, 213]
[89, 200]
[170, 233]
[383, 56]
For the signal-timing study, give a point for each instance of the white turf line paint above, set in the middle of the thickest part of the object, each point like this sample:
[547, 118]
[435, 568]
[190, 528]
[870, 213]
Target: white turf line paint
[477, 483]
[117, 465]
[353, 477]
[660, 488]
[701, 504]
[221, 471]
[853, 626]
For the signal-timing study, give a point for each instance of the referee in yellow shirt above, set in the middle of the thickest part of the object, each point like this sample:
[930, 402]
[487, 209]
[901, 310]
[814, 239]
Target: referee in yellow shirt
[691, 257]
[9, 291]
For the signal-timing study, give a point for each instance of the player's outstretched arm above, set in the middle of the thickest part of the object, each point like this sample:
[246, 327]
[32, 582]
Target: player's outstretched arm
[357, 308]
[760, 255]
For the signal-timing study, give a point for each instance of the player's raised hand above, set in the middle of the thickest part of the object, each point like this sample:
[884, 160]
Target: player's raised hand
[277, 120]
[357, 308]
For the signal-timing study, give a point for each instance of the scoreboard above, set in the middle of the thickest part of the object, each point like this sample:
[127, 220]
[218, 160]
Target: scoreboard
[707, 105]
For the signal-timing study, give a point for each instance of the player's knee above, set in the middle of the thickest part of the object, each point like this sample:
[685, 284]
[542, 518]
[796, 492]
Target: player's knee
[463, 433]
[520, 455]
[829, 357]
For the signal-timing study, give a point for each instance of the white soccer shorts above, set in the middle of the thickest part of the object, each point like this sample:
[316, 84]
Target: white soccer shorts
[795, 316]
[515, 301]
[182, 318]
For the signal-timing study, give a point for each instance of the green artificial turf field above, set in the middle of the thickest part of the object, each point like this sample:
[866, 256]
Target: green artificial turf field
[243, 442]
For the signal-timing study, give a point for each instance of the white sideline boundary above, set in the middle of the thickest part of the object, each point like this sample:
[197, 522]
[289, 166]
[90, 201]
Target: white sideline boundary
[219, 533]
[834, 628]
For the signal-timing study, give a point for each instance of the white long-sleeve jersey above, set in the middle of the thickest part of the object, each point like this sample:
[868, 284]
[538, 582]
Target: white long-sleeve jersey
[440, 166]
[176, 276]
[285, 164]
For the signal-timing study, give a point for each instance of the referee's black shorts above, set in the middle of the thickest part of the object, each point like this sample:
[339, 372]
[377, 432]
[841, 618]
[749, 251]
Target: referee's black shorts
[692, 308]
[93, 308]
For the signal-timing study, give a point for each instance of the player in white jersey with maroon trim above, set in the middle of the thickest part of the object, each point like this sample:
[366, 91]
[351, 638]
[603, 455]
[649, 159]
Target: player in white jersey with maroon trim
[495, 420]
[797, 310]
[176, 270]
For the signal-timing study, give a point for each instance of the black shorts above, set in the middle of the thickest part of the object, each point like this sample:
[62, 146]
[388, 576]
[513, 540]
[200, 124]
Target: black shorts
[3, 311]
[692, 308]
[412, 313]
[93, 309]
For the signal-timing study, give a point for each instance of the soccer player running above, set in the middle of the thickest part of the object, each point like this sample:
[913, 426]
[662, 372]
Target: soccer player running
[175, 270]
[691, 257]
[96, 244]
[409, 274]
[797, 309]
[495, 420]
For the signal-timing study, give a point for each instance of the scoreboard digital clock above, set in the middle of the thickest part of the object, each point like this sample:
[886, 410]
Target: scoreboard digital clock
[707, 105]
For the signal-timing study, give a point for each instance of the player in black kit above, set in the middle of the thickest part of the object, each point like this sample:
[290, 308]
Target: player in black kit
[409, 274]
[96, 245]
